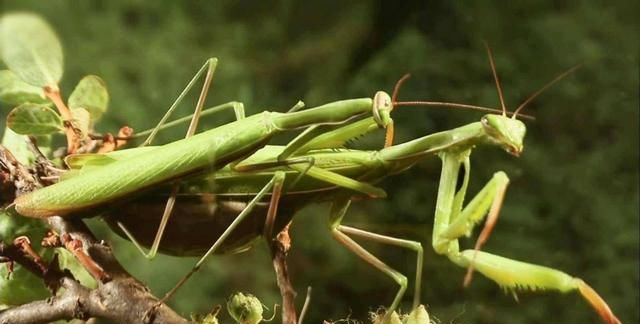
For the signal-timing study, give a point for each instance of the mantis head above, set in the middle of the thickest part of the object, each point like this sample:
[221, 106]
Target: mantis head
[504, 131]
[507, 132]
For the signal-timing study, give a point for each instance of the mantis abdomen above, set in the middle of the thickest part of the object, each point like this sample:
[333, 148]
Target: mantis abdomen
[208, 150]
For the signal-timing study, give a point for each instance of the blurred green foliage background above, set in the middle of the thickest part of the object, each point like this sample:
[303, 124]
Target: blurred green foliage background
[573, 200]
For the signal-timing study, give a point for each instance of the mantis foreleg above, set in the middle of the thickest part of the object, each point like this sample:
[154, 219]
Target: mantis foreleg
[209, 66]
[452, 221]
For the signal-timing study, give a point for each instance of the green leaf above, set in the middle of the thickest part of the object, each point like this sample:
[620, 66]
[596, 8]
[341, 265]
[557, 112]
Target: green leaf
[81, 121]
[33, 119]
[14, 91]
[23, 286]
[30, 48]
[80, 161]
[90, 94]
[17, 144]
[66, 260]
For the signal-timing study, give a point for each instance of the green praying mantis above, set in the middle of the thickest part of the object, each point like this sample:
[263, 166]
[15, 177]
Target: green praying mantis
[304, 172]
[210, 228]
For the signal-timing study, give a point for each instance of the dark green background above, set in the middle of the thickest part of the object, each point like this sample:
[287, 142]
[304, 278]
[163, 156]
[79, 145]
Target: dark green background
[573, 200]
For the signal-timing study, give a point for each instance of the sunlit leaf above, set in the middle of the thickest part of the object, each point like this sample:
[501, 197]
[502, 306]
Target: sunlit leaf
[30, 48]
[80, 161]
[90, 94]
[81, 121]
[14, 91]
[17, 145]
[34, 119]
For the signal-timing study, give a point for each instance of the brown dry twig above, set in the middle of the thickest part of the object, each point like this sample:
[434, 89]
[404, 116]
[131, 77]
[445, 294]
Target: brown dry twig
[279, 249]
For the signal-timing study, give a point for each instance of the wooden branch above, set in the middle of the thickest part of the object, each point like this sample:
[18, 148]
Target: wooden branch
[118, 297]
[122, 300]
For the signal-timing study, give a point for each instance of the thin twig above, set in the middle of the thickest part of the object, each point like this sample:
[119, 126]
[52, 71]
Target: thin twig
[279, 250]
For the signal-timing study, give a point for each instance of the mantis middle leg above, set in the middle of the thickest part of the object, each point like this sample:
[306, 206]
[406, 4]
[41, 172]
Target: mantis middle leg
[341, 234]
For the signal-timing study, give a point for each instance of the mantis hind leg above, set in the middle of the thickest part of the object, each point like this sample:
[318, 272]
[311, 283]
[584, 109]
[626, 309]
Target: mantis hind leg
[209, 67]
[238, 109]
[274, 185]
[341, 232]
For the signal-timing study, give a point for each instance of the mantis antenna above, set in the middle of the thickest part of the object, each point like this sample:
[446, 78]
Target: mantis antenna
[495, 77]
[545, 87]
[531, 97]
[395, 103]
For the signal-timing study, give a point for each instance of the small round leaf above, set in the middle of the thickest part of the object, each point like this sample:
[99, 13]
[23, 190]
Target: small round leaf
[245, 308]
[14, 91]
[30, 48]
[81, 121]
[17, 145]
[34, 119]
[66, 260]
[90, 94]
[82, 160]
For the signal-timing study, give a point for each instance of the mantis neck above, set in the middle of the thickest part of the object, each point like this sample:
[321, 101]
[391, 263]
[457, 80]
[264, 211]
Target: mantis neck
[457, 139]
